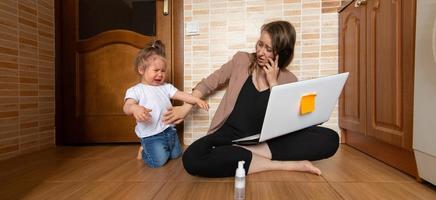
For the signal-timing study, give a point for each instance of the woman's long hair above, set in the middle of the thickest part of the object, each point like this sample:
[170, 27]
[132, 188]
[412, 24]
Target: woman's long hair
[283, 38]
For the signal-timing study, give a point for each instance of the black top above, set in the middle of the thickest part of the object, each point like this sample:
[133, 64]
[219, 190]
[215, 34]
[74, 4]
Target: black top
[247, 116]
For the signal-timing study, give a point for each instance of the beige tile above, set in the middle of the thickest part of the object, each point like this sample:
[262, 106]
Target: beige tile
[238, 30]
[20, 28]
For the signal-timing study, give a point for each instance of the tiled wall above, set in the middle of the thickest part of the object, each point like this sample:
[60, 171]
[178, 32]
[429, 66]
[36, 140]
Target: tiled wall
[228, 26]
[26, 76]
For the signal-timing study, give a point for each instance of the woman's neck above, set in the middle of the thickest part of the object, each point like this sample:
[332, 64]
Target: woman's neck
[259, 79]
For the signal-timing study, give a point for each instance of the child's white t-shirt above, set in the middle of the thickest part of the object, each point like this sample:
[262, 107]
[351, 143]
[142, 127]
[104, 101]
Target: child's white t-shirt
[156, 98]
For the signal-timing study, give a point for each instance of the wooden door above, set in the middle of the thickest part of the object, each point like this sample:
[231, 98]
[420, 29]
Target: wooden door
[352, 59]
[97, 63]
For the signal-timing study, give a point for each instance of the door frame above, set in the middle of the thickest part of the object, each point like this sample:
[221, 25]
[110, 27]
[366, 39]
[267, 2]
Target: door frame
[177, 37]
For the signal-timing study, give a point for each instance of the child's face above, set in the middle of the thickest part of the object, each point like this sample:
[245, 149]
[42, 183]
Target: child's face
[155, 73]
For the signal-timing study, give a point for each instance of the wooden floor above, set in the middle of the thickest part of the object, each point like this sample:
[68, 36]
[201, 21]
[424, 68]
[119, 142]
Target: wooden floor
[112, 172]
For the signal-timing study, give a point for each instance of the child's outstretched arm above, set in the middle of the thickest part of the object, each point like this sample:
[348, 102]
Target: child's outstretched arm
[140, 113]
[183, 96]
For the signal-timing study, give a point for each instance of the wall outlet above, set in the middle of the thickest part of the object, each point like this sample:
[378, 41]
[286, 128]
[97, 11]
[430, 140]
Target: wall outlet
[192, 28]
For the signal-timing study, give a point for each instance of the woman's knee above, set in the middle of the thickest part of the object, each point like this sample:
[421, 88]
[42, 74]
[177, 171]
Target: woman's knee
[190, 163]
[196, 163]
[332, 141]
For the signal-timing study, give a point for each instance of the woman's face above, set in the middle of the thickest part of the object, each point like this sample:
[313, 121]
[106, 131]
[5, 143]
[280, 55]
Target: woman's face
[264, 49]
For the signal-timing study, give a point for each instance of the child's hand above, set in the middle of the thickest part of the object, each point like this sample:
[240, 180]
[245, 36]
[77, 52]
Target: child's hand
[202, 104]
[142, 114]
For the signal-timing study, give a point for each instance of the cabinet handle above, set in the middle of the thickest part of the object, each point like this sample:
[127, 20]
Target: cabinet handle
[359, 3]
[165, 8]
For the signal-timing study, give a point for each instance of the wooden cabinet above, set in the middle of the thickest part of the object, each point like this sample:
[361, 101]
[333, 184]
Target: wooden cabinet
[376, 45]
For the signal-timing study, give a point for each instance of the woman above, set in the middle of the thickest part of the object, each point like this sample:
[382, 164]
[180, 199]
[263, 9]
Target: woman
[249, 78]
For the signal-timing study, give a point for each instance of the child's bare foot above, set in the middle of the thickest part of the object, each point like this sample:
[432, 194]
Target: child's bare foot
[307, 166]
[139, 156]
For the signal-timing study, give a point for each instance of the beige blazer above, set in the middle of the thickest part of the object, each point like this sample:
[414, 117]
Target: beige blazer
[232, 74]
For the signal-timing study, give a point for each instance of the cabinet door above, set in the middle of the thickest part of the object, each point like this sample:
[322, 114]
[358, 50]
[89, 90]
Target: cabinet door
[376, 114]
[389, 108]
[352, 59]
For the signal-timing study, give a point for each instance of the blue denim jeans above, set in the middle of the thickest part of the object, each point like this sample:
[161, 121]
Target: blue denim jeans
[159, 148]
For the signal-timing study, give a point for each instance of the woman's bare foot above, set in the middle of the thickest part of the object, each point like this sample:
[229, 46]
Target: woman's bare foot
[307, 166]
[261, 164]
[139, 156]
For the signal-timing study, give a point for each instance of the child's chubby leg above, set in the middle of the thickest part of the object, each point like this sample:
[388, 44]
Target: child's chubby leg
[139, 155]
[155, 151]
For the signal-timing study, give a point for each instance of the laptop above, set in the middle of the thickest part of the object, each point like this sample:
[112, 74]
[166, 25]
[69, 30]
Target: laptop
[298, 105]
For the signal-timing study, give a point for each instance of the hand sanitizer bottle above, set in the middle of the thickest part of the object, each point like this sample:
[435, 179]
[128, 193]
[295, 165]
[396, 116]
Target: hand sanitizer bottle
[240, 181]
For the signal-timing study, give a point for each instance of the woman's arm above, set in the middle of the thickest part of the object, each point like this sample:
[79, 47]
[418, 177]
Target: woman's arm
[206, 87]
[221, 76]
[176, 114]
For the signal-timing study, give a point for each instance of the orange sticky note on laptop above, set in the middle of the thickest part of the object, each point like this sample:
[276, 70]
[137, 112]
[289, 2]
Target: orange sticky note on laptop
[307, 103]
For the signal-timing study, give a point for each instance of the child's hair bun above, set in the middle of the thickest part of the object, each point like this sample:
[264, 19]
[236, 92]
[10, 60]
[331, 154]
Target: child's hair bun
[159, 47]
[155, 48]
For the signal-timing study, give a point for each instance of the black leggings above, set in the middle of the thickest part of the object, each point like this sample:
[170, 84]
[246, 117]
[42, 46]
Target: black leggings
[214, 156]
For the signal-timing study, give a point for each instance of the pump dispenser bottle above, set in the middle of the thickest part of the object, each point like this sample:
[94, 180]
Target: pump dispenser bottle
[240, 181]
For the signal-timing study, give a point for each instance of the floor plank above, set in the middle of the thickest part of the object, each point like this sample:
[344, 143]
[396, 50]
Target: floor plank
[350, 165]
[196, 190]
[384, 190]
[118, 190]
[290, 190]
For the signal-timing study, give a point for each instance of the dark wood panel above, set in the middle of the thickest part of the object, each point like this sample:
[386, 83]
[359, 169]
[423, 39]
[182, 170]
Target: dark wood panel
[178, 54]
[65, 123]
[408, 68]
[164, 33]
